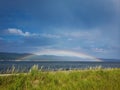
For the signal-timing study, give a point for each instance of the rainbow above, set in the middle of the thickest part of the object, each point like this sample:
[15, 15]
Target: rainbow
[63, 53]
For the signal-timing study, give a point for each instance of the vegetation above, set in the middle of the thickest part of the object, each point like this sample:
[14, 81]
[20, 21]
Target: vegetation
[92, 79]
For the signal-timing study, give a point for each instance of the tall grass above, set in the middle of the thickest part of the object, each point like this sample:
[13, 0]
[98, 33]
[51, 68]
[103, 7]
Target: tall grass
[91, 79]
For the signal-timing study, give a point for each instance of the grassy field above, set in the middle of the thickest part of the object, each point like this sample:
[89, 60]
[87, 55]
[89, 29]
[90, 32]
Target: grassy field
[92, 79]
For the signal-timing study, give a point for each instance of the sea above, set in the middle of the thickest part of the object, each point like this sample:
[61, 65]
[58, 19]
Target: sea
[25, 66]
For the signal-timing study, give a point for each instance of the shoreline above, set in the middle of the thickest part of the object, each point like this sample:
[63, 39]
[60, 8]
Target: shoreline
[53, 71]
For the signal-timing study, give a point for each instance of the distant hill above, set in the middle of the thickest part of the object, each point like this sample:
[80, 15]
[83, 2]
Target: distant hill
[28, 56]
[52, 58]
[33, 57]
[12, 56]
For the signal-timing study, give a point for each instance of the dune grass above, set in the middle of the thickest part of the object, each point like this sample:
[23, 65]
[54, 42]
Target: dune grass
[91, 79]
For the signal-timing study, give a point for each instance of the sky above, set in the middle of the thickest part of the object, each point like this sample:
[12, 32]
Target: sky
[85, 26]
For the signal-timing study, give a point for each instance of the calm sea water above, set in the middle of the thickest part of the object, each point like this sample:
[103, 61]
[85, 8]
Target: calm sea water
[24, 66]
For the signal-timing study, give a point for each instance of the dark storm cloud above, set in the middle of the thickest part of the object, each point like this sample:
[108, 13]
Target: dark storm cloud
[83, 25]
[69, 13]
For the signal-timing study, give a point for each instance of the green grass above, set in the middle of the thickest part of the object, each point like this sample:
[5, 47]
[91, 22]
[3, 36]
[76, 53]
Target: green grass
[91, 79]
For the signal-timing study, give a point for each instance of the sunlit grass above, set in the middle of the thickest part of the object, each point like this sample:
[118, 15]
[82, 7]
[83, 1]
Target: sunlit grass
[89, 79]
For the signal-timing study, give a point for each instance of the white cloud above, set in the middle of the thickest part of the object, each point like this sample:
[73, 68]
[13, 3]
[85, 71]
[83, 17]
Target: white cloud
[76, 34]
[1, 38]
[66, 53]
[70, 39]
[117, 5]
[101, 50]
[50, 35]
[15, 31]
[90, 35]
